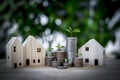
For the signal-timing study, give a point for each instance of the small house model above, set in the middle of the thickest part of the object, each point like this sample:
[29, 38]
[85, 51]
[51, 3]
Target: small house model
[92, 53]
[14, 53]
[34, 54]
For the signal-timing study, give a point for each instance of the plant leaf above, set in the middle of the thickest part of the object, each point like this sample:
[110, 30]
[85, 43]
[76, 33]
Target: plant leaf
[67, 30]
[70, 28]
[76, 30]
[62, 46]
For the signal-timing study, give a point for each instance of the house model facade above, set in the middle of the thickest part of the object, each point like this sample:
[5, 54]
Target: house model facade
[34, 54]
[14, 52]
[92, 53]
[26, 54]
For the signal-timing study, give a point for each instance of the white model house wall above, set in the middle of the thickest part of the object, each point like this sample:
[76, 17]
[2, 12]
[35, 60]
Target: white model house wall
[40, 54]
[27, 51]
[14, 53]
[33, 51]
[92, 53]
[8, 54]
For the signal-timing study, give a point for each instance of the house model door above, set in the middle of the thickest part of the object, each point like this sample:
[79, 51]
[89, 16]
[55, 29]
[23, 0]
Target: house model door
[96, 62]
[27, 62]
[15, 65]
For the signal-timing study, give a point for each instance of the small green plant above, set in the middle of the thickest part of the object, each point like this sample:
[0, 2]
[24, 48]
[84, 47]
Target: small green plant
[71, 31]
[80, 55]
[69, 60]
[66, 60]
[50, 49]
[49, 52]
[60, 47]
[76, 55]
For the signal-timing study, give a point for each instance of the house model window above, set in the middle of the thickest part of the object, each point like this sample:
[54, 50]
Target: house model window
[14, 49]
[34, 61]
[86, 48]
[8, 57]
[20, 64]
[87, 60]
[38, 60]
[38, 49]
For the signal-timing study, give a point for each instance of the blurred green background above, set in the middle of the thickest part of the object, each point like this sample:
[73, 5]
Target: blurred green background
[41, 18]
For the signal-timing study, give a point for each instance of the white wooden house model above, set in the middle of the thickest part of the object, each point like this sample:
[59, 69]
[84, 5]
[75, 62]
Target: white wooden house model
[14, 53]
[92, 53]
[34, 54]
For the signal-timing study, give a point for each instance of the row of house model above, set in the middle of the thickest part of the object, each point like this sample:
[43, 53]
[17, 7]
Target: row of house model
[32, 53]
[26, 54]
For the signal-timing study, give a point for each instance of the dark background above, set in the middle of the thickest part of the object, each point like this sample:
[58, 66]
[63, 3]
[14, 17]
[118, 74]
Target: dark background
[95, 18]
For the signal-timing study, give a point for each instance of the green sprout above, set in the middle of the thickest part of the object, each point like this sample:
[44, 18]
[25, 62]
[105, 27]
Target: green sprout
[69, 60]
[49, 51]
[80, 54]
[71, 31]
[66, 60]
[76, 55]
[60, 47]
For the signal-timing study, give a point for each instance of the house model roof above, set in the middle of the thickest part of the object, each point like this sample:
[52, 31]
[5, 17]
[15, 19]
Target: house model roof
[28, 39]
[12, 40]
[95, 42]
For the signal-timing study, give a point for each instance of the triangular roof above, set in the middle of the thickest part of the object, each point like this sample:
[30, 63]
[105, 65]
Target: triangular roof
[94, 41]
[12, 40]
[28, 39]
